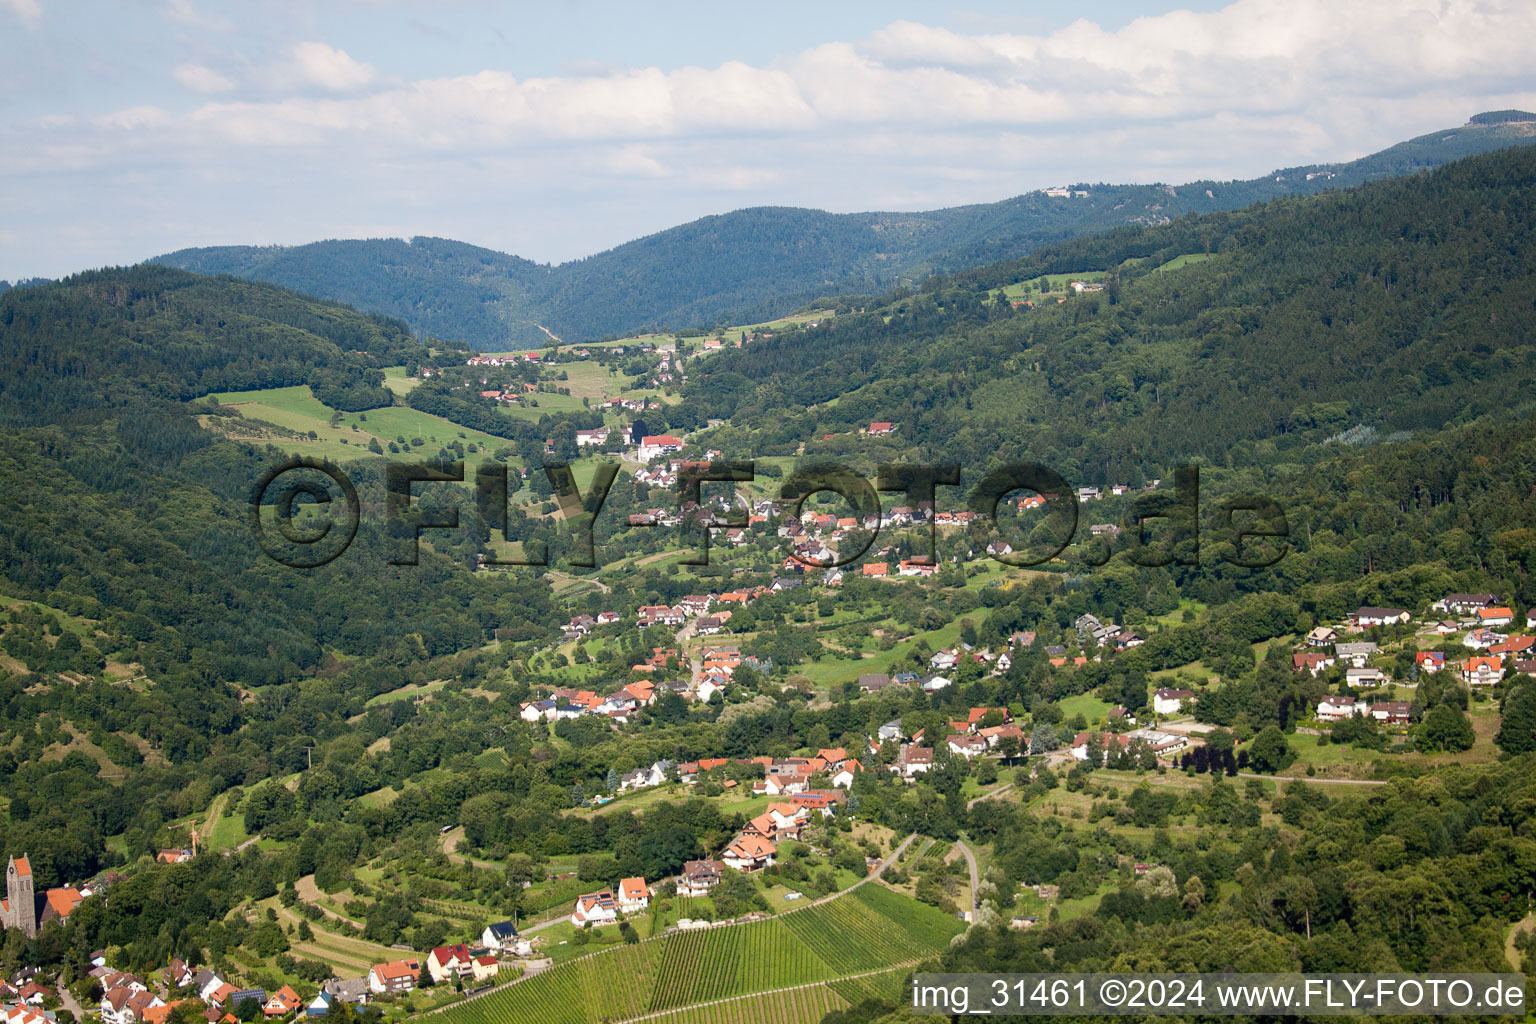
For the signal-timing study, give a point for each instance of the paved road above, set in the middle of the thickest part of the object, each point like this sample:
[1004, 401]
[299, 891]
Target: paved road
[70, 1002]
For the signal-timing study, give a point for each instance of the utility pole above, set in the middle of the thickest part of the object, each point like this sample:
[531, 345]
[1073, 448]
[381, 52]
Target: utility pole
[309, 757]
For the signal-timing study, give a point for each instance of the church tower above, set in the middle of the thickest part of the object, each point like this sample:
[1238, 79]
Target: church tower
[20, 903]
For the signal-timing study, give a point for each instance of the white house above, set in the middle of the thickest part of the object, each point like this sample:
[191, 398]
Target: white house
[1170, 702]
[1365, 677]
[656, 445]
[503, 938]
[596, 908]
[1370, 616]
[633, 895]
[1492, 618]
[1331, 709]
[749, 853]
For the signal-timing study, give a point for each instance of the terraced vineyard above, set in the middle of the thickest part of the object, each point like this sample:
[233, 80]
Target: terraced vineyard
[869, 930]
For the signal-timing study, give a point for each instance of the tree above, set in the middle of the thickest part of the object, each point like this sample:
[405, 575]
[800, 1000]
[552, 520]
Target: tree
[1194, 893]
[1043, 741]
[1269, 752]
[1446, 727]
[1517, 722]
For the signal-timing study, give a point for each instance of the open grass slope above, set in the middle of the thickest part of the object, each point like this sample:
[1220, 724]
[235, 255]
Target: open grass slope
[871, 929]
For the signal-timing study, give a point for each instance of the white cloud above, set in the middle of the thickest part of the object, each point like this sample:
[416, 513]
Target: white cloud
[911, 116]
[203, 79]
[29, 11]
[183, 12]
[330, 68]
[133, 118]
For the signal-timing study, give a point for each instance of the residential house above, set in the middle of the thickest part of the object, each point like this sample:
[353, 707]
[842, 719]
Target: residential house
[913, 760]
[749, 853]
[1322, 636]
[394, 978]
[503, 937]
[967, 746]
[1392, 711]
[1371, 616]
[595, 908]
[871, 682]
[1169, 702]
[1465, 604]
[1494, 617]
[1481, 639]
[654, 446]
[1333, 708]
[699, 877]
[1313, 662]
[1083, 742]
[633, 895]
[1365, 677]
[1355, 653]
[283, 1002]
[1515, 645]
[447, 962]
[1484, 670]
[1429, 661]
[352, 991]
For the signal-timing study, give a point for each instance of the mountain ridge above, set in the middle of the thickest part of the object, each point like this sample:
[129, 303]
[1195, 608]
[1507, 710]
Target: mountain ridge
[760, 262]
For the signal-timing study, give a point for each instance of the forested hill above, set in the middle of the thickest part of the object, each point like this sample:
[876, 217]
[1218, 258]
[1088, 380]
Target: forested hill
[1399, 306]
[756, 263]
[75, 350]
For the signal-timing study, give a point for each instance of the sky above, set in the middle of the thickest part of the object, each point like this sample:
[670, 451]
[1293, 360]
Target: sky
[131, 128]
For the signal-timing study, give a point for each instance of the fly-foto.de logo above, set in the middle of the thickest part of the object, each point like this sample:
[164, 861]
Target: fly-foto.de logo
[305, 513]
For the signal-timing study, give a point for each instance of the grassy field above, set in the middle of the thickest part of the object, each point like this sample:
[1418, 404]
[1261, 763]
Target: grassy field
[410, 692]
[1058, 284]
[296, 408]
[1089, 706]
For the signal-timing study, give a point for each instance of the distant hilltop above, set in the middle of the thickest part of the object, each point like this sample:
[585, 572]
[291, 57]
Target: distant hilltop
[1501, 117]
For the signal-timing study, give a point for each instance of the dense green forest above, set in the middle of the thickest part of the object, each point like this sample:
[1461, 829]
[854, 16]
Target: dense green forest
[758, 263]
[1398, 307]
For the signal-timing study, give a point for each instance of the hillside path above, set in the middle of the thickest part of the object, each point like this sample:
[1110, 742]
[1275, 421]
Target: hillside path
[999, 791]
[970, 862]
